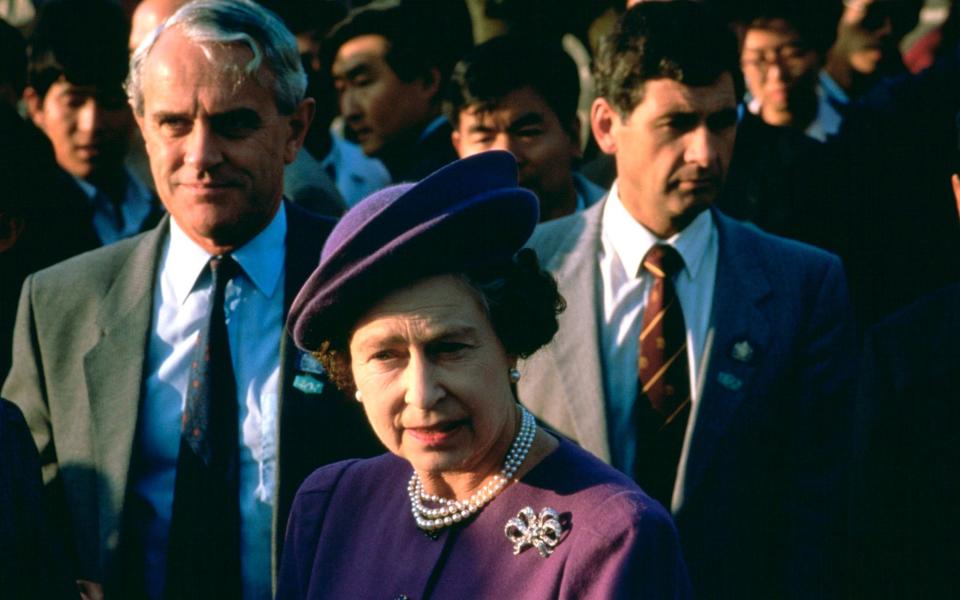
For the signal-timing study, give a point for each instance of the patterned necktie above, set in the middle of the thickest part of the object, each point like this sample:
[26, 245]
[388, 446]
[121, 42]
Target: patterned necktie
[663, 378]
[203, 558]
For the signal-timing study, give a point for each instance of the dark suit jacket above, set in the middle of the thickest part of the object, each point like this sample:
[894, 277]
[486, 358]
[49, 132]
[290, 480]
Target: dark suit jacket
[778, 180]
[761, 475]
[892, 162]
[78, 371]
[423, 156]
[907, 488]
[32, 560]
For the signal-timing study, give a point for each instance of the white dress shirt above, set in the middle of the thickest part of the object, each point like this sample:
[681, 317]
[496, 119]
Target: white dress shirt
[253, 307]
[624, 243]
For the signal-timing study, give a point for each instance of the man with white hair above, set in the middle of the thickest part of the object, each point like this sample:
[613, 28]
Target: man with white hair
[174, 417]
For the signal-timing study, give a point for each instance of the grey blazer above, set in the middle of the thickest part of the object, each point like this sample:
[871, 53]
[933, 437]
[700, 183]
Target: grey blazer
[765, 456]
[78, 369]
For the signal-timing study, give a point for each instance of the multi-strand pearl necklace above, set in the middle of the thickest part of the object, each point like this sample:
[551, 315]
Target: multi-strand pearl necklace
[450, 511]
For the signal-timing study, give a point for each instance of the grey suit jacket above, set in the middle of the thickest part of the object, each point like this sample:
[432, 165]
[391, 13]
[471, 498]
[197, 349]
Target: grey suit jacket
[78, 370]
[770, 427]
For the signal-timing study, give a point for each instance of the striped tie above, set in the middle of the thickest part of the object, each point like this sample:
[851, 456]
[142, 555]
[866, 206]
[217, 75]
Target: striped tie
[663, 385]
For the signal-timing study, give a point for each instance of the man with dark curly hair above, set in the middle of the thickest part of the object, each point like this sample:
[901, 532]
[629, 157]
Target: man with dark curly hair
[709, 360]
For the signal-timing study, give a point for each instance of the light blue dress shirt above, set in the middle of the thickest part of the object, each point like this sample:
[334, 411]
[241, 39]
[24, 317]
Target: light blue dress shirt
[254, 311]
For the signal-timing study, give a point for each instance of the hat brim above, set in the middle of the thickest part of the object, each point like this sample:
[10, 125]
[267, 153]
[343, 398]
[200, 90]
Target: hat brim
[475, 232]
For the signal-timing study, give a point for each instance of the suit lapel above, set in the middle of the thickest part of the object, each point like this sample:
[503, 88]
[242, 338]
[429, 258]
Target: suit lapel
[575, 351]
[740, 334]
[305, 236]
[114, 374]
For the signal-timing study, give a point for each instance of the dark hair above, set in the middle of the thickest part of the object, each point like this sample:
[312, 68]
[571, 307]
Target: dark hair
[508, 63]
[814, 21]
[419, 38]
[13, 58]
[679, 40]
[521, 301]
[83, 41]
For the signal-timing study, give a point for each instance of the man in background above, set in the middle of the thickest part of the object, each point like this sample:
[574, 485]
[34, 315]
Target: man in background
[529, 109]
[174, 417]
[390, 62]
[707, 359]
[74, 94]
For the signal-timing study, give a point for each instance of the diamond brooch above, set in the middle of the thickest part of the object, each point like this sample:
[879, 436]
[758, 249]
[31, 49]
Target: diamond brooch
[529, 529]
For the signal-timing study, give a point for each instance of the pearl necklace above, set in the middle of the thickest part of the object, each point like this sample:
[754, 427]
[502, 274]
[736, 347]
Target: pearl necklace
[450, 511]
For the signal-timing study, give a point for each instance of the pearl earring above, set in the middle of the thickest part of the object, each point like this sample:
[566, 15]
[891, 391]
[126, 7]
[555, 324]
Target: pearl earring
[514, 375]
[358, 396]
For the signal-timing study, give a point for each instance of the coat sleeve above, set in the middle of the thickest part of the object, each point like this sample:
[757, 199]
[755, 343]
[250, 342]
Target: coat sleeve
[304, 531]
[819, 447]
[25, 383]
[34, 559]
[632, 551]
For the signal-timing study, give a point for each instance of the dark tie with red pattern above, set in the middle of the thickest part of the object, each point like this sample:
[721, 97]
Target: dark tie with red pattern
[203, 557]
[663, 378]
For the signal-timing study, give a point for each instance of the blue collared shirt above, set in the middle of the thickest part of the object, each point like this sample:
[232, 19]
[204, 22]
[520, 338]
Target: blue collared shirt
[114, 221]
[254, 311]
[356, 174]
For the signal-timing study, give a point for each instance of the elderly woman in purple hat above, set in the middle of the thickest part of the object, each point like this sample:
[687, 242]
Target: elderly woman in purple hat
[421, 305]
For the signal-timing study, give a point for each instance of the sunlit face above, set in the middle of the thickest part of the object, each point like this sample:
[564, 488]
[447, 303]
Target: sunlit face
[379, 107]
[870, 31]
[672, 151]
[89, 128]
[525, 125]
[216, 141]
[432, 375]
[779, 70]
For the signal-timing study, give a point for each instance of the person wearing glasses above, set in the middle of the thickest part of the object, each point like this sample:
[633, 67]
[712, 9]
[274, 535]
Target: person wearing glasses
[782, 51]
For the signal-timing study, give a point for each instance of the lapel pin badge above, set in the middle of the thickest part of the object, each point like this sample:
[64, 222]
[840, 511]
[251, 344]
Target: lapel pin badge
[742, 351]
[729, 381]
[309, 364]
[308, 384]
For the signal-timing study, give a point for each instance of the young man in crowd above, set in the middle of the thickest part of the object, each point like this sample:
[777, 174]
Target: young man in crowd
[529, 110]
[390, 62]
[77, 66]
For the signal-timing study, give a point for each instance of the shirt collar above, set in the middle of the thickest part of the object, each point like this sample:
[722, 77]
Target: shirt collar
[435, 124]
[832, 89]
[262, 258]
[135, 192]
[631, 240]
[89, 190]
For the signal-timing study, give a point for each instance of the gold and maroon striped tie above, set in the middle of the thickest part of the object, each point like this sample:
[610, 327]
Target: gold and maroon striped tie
[663, 378]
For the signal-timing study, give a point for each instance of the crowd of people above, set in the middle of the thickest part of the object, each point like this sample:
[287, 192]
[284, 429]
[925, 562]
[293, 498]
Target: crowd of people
[480, 298]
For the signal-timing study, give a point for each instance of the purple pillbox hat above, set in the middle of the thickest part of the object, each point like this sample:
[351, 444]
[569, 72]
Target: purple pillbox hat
[468, 215]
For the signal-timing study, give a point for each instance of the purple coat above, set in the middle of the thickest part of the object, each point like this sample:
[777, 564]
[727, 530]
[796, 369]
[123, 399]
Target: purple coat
[351, 535]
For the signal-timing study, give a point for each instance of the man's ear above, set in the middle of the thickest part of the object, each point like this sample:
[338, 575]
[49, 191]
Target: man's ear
[456, 140]
[34, 105]
[137, 118]
[300, 120]
[431, 84]
[11, 228]
[604, 120]
[955, 183]
[573, 130]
